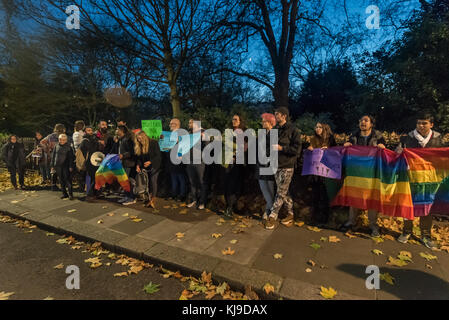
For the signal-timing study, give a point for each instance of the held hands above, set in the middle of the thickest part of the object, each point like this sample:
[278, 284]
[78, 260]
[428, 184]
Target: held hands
[310, 148]
[381, 146]
[138, 168]
[347, 144]
[146, 164]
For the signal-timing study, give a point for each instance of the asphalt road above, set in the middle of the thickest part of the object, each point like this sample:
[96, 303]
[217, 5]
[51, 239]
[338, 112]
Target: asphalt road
[27, 264]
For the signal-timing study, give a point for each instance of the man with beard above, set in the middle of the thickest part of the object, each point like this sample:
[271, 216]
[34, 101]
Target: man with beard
[103, 135]
[89, 146]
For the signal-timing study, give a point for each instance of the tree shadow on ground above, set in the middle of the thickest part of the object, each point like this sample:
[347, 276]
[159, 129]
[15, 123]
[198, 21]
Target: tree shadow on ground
[409, 284]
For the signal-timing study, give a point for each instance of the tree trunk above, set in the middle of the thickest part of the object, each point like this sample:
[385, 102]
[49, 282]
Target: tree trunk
[281, 89]
[175, 100]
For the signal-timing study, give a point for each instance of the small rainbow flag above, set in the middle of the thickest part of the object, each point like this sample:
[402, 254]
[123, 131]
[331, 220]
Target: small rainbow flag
[375, 179]
[429, 179]
[111, 170]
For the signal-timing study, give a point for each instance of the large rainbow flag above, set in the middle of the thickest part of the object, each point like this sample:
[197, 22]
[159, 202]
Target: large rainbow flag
[375, 179]
[111, 170]
[412, 184]
[429, 179]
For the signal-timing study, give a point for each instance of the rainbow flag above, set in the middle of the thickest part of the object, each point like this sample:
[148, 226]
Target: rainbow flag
[429, 179]
[375, 179]
[111, 170]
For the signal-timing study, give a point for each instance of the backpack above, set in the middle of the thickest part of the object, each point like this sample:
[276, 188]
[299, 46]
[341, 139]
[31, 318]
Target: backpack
[80, 160]
[141, 185]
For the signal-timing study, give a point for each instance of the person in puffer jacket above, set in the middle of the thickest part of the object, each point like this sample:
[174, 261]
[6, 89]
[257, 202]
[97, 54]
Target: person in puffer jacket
[63, 162]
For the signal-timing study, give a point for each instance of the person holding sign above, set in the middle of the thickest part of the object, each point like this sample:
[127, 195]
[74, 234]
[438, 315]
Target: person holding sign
[177, 173]
[195, 170]
[323, 138]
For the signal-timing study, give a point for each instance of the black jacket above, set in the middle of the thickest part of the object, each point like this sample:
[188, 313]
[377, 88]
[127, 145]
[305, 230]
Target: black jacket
[126, 149]
[372, 140]
[88, 146]
[153, 155]
[290, 141]
[409, 141]
[62, 156]
[14, 155]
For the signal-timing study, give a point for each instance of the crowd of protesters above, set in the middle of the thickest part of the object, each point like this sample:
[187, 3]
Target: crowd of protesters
[69, 158]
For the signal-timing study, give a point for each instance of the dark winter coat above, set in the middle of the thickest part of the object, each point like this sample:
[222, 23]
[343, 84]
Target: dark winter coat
[89, 146]
[409, 141]
[153, 155]
[62, 156]
[14, 155]
[126, 149]
[290, 141]
[372, 140]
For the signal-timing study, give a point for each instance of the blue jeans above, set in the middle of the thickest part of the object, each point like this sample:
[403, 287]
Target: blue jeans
[178, 181]
[268, 191]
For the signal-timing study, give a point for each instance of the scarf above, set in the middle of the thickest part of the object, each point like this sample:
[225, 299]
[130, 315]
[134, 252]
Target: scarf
[421, 140]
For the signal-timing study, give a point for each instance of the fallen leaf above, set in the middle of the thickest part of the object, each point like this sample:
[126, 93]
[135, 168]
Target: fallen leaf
[136, 220]
[151, 288]
[183, 211]
[445, 248]
[221, 288]
[427, 256]
[180, 235]
[428, 266]
[5, 295]
[100, 221]
[216, 235]
[210, 294]
[311, 262]
[277, 256]
[268, 288]
[334, 239]
[315, 246]
[111, 214]
[405, 256]
[133, 217]
[377, 239]
[299, 223]
[195, 286]
[49, 234]
[135, 269]
[71, 210]
[59, 266]
[388, 237]
[121, 274]
[377, 252]
[233, 241]
[324, 239]
[185, 295]
[314, 229]
[49, 298]
[396, 262]
[328, 293]
[104, 207]
[308, 270]
[388, 278]
[76, 247]
[125, 215]
[349, 235]
[228, 251]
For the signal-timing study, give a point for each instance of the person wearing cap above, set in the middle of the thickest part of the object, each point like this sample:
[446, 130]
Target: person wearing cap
[266, 182]
[289, 148]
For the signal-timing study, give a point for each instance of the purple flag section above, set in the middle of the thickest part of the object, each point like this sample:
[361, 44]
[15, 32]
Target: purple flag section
[323, 162]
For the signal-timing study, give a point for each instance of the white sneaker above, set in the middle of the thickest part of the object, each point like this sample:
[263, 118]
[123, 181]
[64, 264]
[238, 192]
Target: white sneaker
[190, 205]
[201, 207]
[129, 201]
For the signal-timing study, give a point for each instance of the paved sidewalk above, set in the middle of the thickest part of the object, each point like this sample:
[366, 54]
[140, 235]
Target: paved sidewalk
[339, 265]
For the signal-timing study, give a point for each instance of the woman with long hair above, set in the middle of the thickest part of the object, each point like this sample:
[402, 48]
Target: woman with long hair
[148, 157]
[234, 173]
[322, 138]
